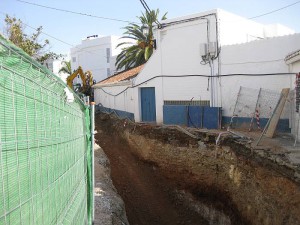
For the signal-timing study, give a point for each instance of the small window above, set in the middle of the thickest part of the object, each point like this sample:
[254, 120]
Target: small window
[73, 59]
[107, 55]
[108, 72]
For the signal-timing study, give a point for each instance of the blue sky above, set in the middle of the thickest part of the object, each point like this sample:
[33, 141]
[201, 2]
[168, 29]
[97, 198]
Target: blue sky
[72, 28]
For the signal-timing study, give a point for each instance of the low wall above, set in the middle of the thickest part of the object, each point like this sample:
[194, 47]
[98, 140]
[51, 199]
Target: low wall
[121, 114]
[192, 116]
[244, 123]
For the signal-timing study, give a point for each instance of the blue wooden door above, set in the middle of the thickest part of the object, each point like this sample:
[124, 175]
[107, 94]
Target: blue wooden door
[148, 104]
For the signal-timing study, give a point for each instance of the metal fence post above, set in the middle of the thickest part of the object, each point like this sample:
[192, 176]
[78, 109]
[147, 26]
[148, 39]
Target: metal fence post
[93, 155]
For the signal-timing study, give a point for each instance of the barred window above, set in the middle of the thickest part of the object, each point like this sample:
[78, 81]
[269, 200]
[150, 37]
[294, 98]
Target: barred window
[188, 102]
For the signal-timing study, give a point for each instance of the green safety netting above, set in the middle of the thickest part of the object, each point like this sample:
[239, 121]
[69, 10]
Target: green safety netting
[45, 145]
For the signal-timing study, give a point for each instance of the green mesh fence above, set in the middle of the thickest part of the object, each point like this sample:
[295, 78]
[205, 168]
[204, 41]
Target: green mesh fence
[45, 148]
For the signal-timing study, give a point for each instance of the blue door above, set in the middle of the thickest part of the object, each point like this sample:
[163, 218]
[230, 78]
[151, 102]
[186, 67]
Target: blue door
[148, 104]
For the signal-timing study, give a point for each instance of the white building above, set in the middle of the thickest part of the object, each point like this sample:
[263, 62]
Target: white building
[193, 53]
[94, 54]
[54, 65]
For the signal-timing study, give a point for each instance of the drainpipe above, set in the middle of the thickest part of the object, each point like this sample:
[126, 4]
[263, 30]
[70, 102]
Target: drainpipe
[211, 64]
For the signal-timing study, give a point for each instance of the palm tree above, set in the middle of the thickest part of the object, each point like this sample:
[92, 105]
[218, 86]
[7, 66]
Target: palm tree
[140, 52]
[66, 68]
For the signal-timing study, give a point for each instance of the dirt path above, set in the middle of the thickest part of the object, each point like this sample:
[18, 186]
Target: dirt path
[146, 193]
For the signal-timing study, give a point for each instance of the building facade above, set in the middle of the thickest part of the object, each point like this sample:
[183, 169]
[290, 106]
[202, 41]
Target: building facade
[204, 59]
[54, 65]
[94, 54]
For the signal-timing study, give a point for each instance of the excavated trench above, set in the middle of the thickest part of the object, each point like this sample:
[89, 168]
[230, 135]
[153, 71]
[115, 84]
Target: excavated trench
[166, 177]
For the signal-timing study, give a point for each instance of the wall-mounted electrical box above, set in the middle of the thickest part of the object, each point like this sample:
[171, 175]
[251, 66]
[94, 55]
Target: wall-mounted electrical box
[203, 49]
[206, 49]
[212, 48]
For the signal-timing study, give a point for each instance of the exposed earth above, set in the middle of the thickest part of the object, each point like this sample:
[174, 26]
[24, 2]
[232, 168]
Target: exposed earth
[168, 177]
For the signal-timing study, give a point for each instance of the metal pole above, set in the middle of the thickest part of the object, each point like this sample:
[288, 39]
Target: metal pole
[93, 155]
[211, 64]
[212, 83]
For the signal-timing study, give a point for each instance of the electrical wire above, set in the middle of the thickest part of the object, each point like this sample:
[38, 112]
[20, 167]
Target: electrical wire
[250, 18]
[57, 39]
[46, 34]
[273, 11]
[189, 116]
[73, 12]
[145, 6]
[148, 10]
[194, 75]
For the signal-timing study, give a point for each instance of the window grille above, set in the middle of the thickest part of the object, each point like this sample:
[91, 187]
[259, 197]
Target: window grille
[107, 55]
[188, 102]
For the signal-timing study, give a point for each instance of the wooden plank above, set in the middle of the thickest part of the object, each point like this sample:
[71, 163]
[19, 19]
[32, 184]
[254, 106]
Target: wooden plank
[277, 113]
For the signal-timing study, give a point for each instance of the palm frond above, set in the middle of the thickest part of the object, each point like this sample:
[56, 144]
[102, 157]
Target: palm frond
[139, 53]
[66, 68]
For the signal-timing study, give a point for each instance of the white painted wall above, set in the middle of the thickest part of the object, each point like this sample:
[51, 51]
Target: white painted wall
[294, 67]
[113, 69]
[263, 56]
[123, 102]
[178, 53]
[91, 55]
[273, 30]
[55, 65]
[95, 54]
[235, 29]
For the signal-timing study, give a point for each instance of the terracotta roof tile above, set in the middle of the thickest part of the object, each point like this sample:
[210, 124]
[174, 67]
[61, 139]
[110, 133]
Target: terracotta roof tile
[126, 75]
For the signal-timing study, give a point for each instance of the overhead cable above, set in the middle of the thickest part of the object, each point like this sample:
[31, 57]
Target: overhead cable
[145, 6]
[148, 10]
[73, 12]
[55, 38]
[193, 75]
[250, 18]
[273, 11]
[42, 32]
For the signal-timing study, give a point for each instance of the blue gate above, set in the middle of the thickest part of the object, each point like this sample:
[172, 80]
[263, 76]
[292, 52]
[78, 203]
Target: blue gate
[148, 104]
[193, 116]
